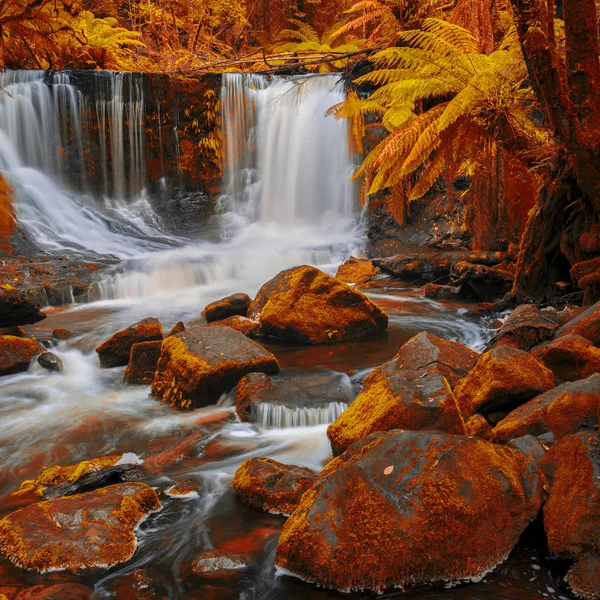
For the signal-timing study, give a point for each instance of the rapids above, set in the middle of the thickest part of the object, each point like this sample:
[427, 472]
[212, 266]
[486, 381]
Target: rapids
[286, 201]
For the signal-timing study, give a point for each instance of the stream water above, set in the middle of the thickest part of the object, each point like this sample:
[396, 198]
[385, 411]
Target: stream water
[286, 201]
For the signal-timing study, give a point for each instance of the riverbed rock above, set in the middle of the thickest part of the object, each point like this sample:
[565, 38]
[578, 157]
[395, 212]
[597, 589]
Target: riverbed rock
[503, 378]
[219, 564]
[236, 304]
[244, 325]
[587, 325]
[61, 334]
[441, 292]
[328, 392]
[406, 507]
[57, 591]
[308, 306]
[16, 308]
[524, 328]
[572, 510]
[16, 353]
[270, 486]
[200, 364]
[356, 271]
[50, 362]
[584, 576]
[188, 488]
[405, 400]
[570, 357]
[95, 529]
[114, 352]
[563, 410]
[143, 360]
[484, 283]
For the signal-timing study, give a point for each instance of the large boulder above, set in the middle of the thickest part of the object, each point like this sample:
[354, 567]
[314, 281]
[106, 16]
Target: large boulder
[16, 353]
[114, 352]
[16, 308]
[404, 400]
[502, 378]
[236, 304]
[587, 325]
[270, 486]
[564, 410]
[570, 357]
[405, 507]
[308, 306]
[198, 365]
[96, 529]
[143, 360]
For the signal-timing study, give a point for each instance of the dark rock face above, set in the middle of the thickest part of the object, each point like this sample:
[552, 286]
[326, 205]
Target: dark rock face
[17, 309]
[16, 353]
[308, 306]
[270, 486]
[95, 529]
[143, 360]
[587, 325]
[410, 507]
[570, 357]
[219, 564]
[236, 304]
[482, 282]
[114, 352]
[529, 445]
[584, 576]
[198, 365]
[50, 362]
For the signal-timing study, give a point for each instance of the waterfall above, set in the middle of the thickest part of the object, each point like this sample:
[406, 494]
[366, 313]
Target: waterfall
[276, 416]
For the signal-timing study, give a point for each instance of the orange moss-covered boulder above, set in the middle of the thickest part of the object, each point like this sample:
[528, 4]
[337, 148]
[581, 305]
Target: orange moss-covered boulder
[428, 352]
[572, 510]
[356, 271]
[478, 425]
[587, 325]
[308, 306]
[114, 352]
[16, 353]
[143, 359]
[405, 400]
[200, 364]
[57, 591]
[95, 529]
[406, 507]
[570, 357]
[502, 378]
[267, 485]
[188, 488]
[236, 304]
[16, 308]
[244, 325]
[584, 576]
[564, 410]
[219, 564]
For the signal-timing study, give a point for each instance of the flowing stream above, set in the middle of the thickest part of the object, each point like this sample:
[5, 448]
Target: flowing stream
[286, 200]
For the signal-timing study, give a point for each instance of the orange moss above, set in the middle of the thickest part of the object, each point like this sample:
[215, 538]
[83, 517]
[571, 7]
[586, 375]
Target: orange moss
[356, 271]
[570, 357]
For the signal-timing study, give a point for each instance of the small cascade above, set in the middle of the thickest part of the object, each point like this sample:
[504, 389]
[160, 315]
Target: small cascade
[277, 416]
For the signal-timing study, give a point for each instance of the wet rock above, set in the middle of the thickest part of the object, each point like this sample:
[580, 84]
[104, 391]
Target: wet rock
[16, 353]
[308, 306]
[570, 357]
[95, 529]
[58, 591]
[244, 325]
[16, 308]
[50, 362]
[62, 334]
[406, 400]
[179, 327]
[141, 584]
[219, 564]
[14, 331]
[188, 447]
[188, 488]
[529, 445]
[143, 360]
[407, 507]
[502, 379]
[236, 304]
[200, 364]
[524, 328]
[479, 426]
[441, 292]
[270, 486]
[584, 576]
[572, 510]
[114, 352]
[587, 325]
[291, 396]
[564, 410]
[356, 271]
[484, 283]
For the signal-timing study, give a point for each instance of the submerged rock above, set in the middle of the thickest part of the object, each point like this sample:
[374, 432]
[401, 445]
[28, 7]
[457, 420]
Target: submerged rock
[16, 353]
[404, 507]
[570, 357]
[114, 352]
[270, 486]
[57, 591]
[308, 306]
[143, 360]
[95, 529]
[236, 304]
[219, 564]
[50, 362]
[587, 325]
[200, 364]
[62, 334]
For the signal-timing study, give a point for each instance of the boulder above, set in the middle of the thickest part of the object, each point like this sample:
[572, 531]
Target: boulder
[530, 445]
[244, 325]
[50, 362]
[406, 507]
[114, 352]
[143, 360]
[200, 364]
[478, 425]
[405, 400]
[564, 410]
[188, 488]
[219, 564]
[305, 400]
[356, 271]
[308, 306]
[569, 357]
[270, 486]
[95, 529]
[524, 328]
[179, 327]
[16, 308]
[16, 353]
[502, 379]
[584, 576]
[572, 510]
[57, 591]
[587, 325]
[484, 283]
[236, 304]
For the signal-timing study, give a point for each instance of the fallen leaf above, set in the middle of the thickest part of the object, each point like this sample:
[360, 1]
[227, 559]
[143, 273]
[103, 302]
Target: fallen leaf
[388, 470]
